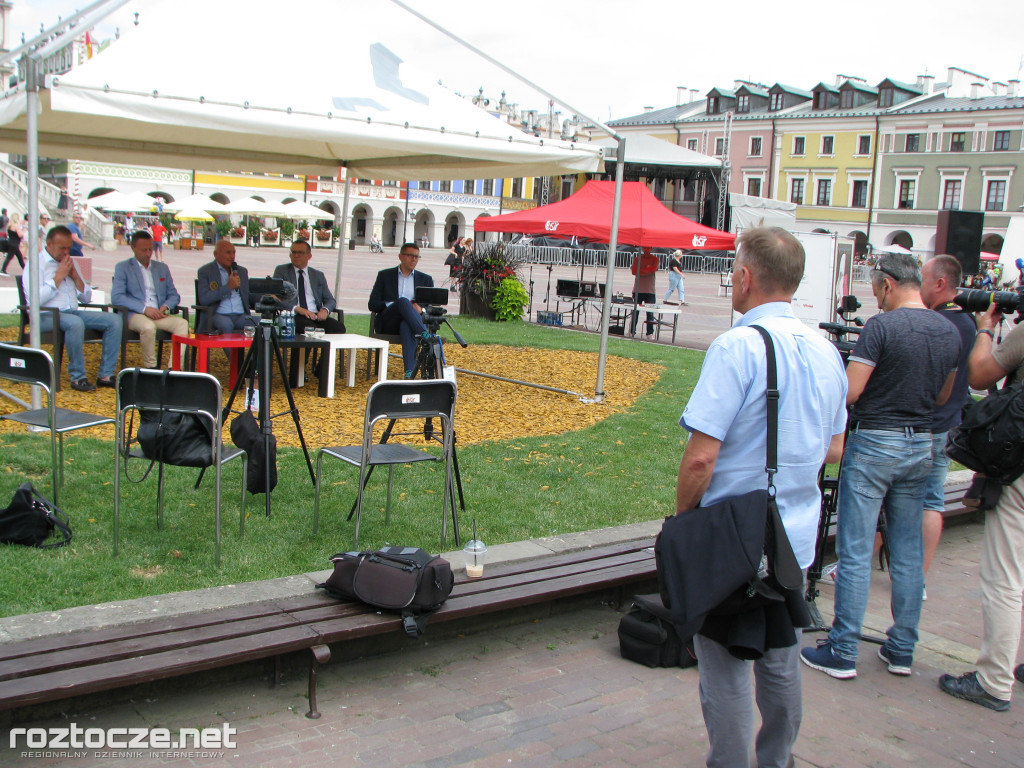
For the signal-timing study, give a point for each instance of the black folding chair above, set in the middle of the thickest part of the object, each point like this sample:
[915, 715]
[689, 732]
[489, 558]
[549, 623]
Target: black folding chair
[395, 401]
[142, 389]
[34, 366]
[371, 354]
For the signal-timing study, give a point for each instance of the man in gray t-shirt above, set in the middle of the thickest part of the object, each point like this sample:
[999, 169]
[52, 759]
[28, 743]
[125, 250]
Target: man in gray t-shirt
[902, 367]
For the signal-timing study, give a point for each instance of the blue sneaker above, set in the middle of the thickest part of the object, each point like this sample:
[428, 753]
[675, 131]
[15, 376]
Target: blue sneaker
[824, 659]
[968, 688]
[899, 663]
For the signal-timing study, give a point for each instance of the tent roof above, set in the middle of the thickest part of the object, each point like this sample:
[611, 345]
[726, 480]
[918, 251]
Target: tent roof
[650, 150]
[643, 220]
[219, 95]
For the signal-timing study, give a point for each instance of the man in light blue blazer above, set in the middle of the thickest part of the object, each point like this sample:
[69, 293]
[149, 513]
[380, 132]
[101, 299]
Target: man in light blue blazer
[146, 288]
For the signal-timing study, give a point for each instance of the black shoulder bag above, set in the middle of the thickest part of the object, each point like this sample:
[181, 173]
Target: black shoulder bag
[30, 519]
[754, 561]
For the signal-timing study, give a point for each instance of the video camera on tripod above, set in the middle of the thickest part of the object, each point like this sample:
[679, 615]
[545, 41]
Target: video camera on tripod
[430, 352]
[272, 292]
[839, 331]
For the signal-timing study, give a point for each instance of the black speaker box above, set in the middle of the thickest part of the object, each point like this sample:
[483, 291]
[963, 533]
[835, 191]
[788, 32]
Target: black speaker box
[959, 234]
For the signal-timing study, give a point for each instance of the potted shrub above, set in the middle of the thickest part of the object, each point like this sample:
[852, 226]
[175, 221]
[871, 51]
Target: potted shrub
[481, 278]
[287, 230]
[223, 227]
[270, 235]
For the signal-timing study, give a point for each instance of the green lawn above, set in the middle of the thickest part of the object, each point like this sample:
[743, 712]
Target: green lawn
[619, 471]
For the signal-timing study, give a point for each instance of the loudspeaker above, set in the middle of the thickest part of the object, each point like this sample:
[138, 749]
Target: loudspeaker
[958, 233]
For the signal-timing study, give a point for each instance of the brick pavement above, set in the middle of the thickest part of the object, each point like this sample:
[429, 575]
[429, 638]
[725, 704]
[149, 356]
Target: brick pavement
[554, 691]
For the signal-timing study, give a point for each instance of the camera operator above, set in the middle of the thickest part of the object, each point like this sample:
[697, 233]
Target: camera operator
[1002, 553]
[940, 278]
[392, 299]
[902, 367]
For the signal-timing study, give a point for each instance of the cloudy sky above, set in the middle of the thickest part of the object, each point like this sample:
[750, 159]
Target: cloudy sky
[611, 59]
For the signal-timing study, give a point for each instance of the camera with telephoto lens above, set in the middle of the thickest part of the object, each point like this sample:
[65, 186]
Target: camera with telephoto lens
[974, 300]
[432, 300]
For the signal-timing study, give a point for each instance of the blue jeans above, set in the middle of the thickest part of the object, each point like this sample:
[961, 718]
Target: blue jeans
[402, 318]
[890, 469]
[675, 283]
[73, 323]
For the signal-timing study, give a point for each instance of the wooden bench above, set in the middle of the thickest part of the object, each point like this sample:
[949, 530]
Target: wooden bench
[89, 661]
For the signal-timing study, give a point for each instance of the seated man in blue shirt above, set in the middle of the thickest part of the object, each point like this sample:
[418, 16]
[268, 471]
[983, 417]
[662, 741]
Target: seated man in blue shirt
[392, 299]
[225, 285]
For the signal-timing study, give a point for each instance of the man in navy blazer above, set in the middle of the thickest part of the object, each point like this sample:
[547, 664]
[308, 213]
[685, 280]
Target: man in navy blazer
[392, 299]
[145, 287]
[225, 286]
[313, 301]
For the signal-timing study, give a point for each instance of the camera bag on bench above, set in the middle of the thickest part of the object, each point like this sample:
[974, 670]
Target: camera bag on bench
[404, 579]
[647, 635]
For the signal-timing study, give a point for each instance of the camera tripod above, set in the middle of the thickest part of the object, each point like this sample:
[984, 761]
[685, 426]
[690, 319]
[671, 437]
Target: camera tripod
[257, 362]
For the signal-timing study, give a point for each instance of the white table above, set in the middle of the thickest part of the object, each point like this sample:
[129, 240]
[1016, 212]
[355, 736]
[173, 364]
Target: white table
[352, 342]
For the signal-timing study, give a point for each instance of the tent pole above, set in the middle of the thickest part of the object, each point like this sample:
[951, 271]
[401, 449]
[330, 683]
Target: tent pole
[32, 163]
[612, 248]
[341, 240]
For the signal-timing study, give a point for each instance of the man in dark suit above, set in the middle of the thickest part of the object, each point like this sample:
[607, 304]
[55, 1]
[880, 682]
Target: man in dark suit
[313, 302]
[145, 287]
[392, 299]
[225, 286]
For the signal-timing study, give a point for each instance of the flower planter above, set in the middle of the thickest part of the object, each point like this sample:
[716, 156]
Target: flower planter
[473, 304]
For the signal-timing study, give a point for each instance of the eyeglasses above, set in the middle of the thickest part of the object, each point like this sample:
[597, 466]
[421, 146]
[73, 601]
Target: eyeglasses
[298, 253]
[410, 255]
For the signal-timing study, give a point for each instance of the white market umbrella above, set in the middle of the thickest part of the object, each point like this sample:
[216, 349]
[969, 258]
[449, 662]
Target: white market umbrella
[120, 201]
[297, 209]
[198, 201]
[193, 214]
[248, 206]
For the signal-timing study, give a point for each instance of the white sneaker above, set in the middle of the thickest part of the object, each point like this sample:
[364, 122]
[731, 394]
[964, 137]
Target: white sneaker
[4, 273]
[830, 571]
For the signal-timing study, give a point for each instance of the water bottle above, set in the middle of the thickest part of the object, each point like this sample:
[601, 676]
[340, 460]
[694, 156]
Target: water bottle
[287, 325]
[291, 325]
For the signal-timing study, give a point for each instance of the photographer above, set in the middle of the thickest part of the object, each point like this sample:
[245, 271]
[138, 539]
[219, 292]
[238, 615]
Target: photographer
[1002, 554]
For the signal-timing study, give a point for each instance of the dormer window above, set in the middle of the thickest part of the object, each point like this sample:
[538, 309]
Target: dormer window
[776, 102]
[714, 105]
[821, 100]
[885, 97]
[846, 99]
[743, 105]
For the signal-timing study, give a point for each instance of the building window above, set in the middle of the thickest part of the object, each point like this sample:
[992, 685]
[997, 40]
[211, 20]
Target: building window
[754, 187]
[776, 103]
[863, 145]
[860, 194]
[798, 145]
[444, 186]
[885, 96]
[827, 144]
[913, 143]
[517, 188]
[423, 185]
[907, 193]
[743, 104]
[1001, 141]
[796, 194]
[468, 186]
[957, 141]
[691, 144]
[755, 146]
[951, 194]
[488, 187]
[713, 105]
[846, 99]
[719, 147]
[566, 188]
[824, 192]
[995, 199]
[821, 100]
[387, 183]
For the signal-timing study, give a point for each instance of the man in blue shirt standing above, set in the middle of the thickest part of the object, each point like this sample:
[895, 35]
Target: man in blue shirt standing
[75, 227]
[725, 456]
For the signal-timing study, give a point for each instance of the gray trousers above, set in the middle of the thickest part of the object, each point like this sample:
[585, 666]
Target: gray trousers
[727, 704]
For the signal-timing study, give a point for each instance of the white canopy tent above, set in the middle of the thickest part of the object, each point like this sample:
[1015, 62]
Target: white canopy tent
[749, 211]
[297, 209]
[355, 112]
[197, 200]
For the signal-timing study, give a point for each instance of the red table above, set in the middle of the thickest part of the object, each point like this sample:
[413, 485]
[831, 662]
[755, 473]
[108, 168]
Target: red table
[203, 343]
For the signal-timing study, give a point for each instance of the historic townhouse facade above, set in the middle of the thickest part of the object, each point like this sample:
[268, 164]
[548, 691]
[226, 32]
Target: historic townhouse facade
[872, 162]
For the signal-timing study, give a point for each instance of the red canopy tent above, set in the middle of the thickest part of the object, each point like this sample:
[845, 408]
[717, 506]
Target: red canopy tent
[643, 220]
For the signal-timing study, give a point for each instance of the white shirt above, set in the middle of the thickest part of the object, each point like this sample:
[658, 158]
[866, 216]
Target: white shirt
[407, 285]
[64, 297]
[147, 281]
[310, 300]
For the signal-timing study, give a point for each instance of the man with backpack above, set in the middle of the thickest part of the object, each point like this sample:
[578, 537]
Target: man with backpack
[1002, 554]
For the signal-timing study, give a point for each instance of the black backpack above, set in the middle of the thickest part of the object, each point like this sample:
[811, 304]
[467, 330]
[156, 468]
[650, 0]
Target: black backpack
[990, 439]
[404, 579]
